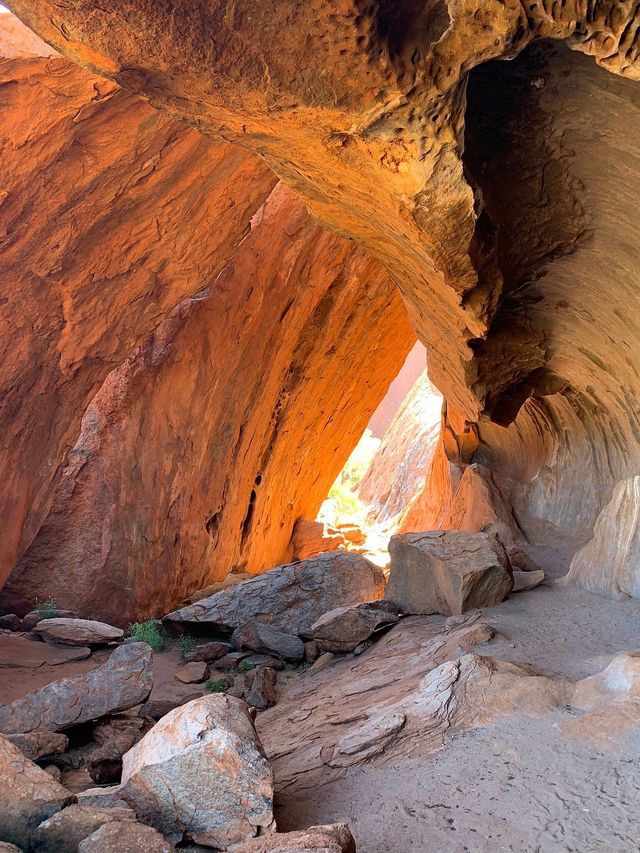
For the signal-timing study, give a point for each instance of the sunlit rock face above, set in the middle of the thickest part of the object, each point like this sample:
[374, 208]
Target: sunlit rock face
[500, 196]
[210, 435]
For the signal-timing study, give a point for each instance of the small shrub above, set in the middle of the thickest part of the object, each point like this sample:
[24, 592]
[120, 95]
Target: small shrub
[46, 609]
[245, 666]
[212, 686]
[150, 633]
[185, 645]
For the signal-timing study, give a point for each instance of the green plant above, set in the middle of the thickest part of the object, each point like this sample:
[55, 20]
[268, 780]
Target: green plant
[150, 633]
[212, 686]
[245, 666]
[185, 645]
[46, 609]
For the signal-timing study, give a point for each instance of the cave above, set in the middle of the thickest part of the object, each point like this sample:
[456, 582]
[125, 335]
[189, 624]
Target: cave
[224, 229]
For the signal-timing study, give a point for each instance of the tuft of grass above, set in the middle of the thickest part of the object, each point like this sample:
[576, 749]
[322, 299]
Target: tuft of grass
[150, 633]
[245, 666]
[185, 645]
[212, 686]
[46, 609]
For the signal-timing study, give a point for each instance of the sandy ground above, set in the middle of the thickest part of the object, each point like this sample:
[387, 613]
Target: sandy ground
[519, 784]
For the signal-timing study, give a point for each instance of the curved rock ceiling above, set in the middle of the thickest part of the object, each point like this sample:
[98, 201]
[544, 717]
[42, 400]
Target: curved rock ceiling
[500, 196]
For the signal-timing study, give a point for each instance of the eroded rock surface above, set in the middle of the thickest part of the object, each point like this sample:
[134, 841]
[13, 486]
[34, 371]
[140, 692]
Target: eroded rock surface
[205, 753]
[334, 838]
[447, 572]
[289, 598]
[124, 681]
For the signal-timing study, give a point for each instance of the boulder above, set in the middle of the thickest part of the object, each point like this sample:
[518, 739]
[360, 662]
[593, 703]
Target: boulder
[5, 847]
[352, 533]
[192, 673]
[208, 652]
[310, 538]
[263, 660]
[107, 796]
[290, 597]
[36, 745]
[527, 580]
[125, 837]
[125, 680]
[262, 694]
[447, 572]
[77, 632]
[64, 831]
[201, 770]
[32, 618]
[158, 708]
[16, 650]
[331, 838]
[28, 795]
[343, 628]
[311, 651]
[10, 622]
[264, 638]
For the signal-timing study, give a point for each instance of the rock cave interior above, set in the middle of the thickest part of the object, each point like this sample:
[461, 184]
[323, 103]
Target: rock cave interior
[320, 453]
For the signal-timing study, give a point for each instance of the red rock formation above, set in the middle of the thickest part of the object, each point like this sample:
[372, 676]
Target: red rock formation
[105, 225]
[229, 423]
[398, 390]
[400, 467]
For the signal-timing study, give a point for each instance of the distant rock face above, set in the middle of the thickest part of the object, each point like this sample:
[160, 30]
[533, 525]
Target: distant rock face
[400, 467]
[312, 537]
[447, 573]
[201, 770]
[124, 681]
[290, 597]
[610, 563]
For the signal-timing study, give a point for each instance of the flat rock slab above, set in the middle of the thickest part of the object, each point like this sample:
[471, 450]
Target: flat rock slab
[192, 673]
[266, 639]
[342, 629]
[34, 616]
[28, 795]
[447, 572]
[125, 837]
[125, 680]
[16, 650]
[331, 838]
[201, 770]
[77, 632]
[65, 830]
[523, 581]
[291, 597]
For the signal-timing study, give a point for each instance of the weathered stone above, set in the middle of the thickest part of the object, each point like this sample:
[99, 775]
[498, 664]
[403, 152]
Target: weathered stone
[262, 694]
[231, 660]
[5, 847]
[158, 708]
[32, 618]
[192, 673]
[330, 838]
[343, 628]
[208, 651]
[608, 564]
[122, 682]
[523, 581]
[77, 632]
[205, 754]
[290, 597]
[311, 651]
[108, 797]
[28, 795]
[16, 650]
[263, 660]
[310, 538]
[64, 831]
[447, 573]
[268, 640]
[10, 622]
[125, 837]
[39, 744]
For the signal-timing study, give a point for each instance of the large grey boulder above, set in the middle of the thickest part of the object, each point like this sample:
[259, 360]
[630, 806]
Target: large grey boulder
[265, 638]
[290, 597]
[34, 745]
[201, 771]
[28, 795]
[343, 628]
[125, 680]
[447, 572]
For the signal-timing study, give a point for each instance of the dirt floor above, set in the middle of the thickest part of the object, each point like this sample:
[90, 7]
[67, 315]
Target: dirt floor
[519, 784]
